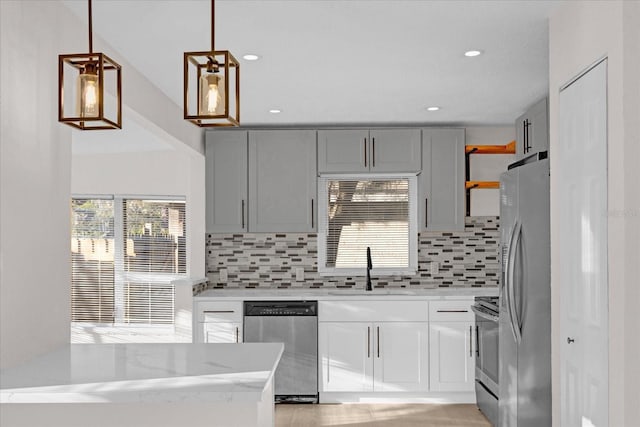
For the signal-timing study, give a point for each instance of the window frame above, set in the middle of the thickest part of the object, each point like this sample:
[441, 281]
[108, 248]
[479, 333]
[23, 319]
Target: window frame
[323, 197]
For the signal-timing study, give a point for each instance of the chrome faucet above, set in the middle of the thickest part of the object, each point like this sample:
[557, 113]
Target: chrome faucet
[369, 267]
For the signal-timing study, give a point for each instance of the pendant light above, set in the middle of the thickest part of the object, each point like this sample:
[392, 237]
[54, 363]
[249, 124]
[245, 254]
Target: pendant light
[94, 100]
[212, 85]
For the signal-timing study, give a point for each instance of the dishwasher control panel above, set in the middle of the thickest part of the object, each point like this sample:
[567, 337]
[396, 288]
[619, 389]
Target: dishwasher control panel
[280, 308]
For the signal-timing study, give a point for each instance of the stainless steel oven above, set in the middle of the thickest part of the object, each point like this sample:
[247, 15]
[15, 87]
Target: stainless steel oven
[486, 311]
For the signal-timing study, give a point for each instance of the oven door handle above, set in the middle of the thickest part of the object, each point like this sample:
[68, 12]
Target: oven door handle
[481, 313]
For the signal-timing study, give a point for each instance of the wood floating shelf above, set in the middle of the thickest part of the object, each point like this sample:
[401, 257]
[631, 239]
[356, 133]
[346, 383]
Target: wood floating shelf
[509, 148]
[469, 185]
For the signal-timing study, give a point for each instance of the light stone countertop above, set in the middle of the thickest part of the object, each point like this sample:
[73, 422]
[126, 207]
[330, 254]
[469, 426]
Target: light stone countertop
[340, 294]
[108, 373]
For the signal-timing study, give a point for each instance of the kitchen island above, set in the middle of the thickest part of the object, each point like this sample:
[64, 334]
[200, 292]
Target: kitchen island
[142, 385]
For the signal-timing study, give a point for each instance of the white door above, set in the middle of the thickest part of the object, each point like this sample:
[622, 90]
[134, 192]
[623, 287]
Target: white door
[452, 362]
[401, 356]
[345, 354]
[582, 192]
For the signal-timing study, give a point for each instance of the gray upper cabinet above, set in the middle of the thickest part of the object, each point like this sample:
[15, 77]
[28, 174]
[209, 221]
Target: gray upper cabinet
[282, 180]
[441, 183]
[362, 150]
[226, 181]
[532, 130]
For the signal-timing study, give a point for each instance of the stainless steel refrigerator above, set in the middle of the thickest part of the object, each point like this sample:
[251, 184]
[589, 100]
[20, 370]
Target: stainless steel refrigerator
[525, 295]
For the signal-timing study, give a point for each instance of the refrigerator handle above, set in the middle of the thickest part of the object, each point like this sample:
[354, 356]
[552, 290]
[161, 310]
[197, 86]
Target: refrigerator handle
[517, 287]
[509, 279]
[511, 301]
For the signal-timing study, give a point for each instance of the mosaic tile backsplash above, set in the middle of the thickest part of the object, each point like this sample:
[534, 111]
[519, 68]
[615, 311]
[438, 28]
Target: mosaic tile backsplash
[466, 258]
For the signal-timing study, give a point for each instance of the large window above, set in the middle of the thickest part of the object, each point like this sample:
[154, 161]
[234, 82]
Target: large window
[124, 253]
[356, 212]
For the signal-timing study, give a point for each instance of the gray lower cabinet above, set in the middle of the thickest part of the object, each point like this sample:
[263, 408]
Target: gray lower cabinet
[441, 183]
[532, 130]
[375, 150]
[226, 181]
[282, 180]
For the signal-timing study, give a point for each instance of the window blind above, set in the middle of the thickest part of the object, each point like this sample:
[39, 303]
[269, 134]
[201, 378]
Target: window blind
[92, 261]
[361, 212]
[125, 253]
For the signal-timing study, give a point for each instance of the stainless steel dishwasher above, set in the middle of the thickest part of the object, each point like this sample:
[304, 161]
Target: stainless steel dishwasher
[294, 323]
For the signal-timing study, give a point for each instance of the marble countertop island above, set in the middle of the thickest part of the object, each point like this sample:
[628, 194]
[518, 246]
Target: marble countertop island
[147, 383]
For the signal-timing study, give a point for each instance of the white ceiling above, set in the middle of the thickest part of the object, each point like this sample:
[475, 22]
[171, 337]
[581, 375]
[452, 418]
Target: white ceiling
[328, 62]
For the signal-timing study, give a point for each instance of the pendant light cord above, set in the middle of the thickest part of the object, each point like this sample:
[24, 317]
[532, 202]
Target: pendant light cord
[90, 30]
[213, 24]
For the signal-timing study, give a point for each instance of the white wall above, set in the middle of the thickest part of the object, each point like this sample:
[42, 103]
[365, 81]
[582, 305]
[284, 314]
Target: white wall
[488, 167]
[35, 156]
[581, 32]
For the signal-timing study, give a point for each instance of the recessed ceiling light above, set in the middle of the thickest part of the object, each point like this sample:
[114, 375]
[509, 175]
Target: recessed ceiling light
[433, 108]
[275, 111]
[251, 57]
[472, 53]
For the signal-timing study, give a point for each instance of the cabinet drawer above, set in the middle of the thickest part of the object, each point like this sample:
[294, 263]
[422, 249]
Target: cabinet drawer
[373, 311]
[219, 311]
[451, 311]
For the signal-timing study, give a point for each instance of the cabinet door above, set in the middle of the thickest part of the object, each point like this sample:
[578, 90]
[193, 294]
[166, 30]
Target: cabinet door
[521, 137]
[441, 202]
[226, 181]
[395, 150]
[282, 181]
[538, 127]
[345, 356]
[221, 332]
[451, 361]
[343, 150]
[401, 355]
[532, 130]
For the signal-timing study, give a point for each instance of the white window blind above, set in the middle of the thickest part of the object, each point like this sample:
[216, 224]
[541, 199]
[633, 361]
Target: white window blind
[357, 212]
[145, 243]
[92, 261]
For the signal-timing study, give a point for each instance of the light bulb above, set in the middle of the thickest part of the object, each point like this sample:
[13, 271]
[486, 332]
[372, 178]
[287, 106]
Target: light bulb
[211, 94]
[88, 98]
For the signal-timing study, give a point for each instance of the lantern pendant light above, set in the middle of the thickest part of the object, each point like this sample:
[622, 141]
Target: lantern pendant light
[212, 85]
[95, 100]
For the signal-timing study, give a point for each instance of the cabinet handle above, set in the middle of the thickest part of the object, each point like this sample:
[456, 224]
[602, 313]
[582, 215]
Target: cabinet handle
[528, 145]
[426, 212]
[470, 342]
[368, 341]
[218, 311]
[378, 340]
[365, 152]
[242, 214]
[524, 137]
[237, 334]
[312, 221]
[452, 311]
[373, 152]
[477, 341]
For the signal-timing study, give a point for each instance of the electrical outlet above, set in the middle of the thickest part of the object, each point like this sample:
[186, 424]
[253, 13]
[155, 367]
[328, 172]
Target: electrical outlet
[223, 275]
[299, 274]
[435, 268]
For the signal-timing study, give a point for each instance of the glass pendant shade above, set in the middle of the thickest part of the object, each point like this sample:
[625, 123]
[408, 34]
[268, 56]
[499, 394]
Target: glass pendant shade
[88, 99]
[211, 94]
